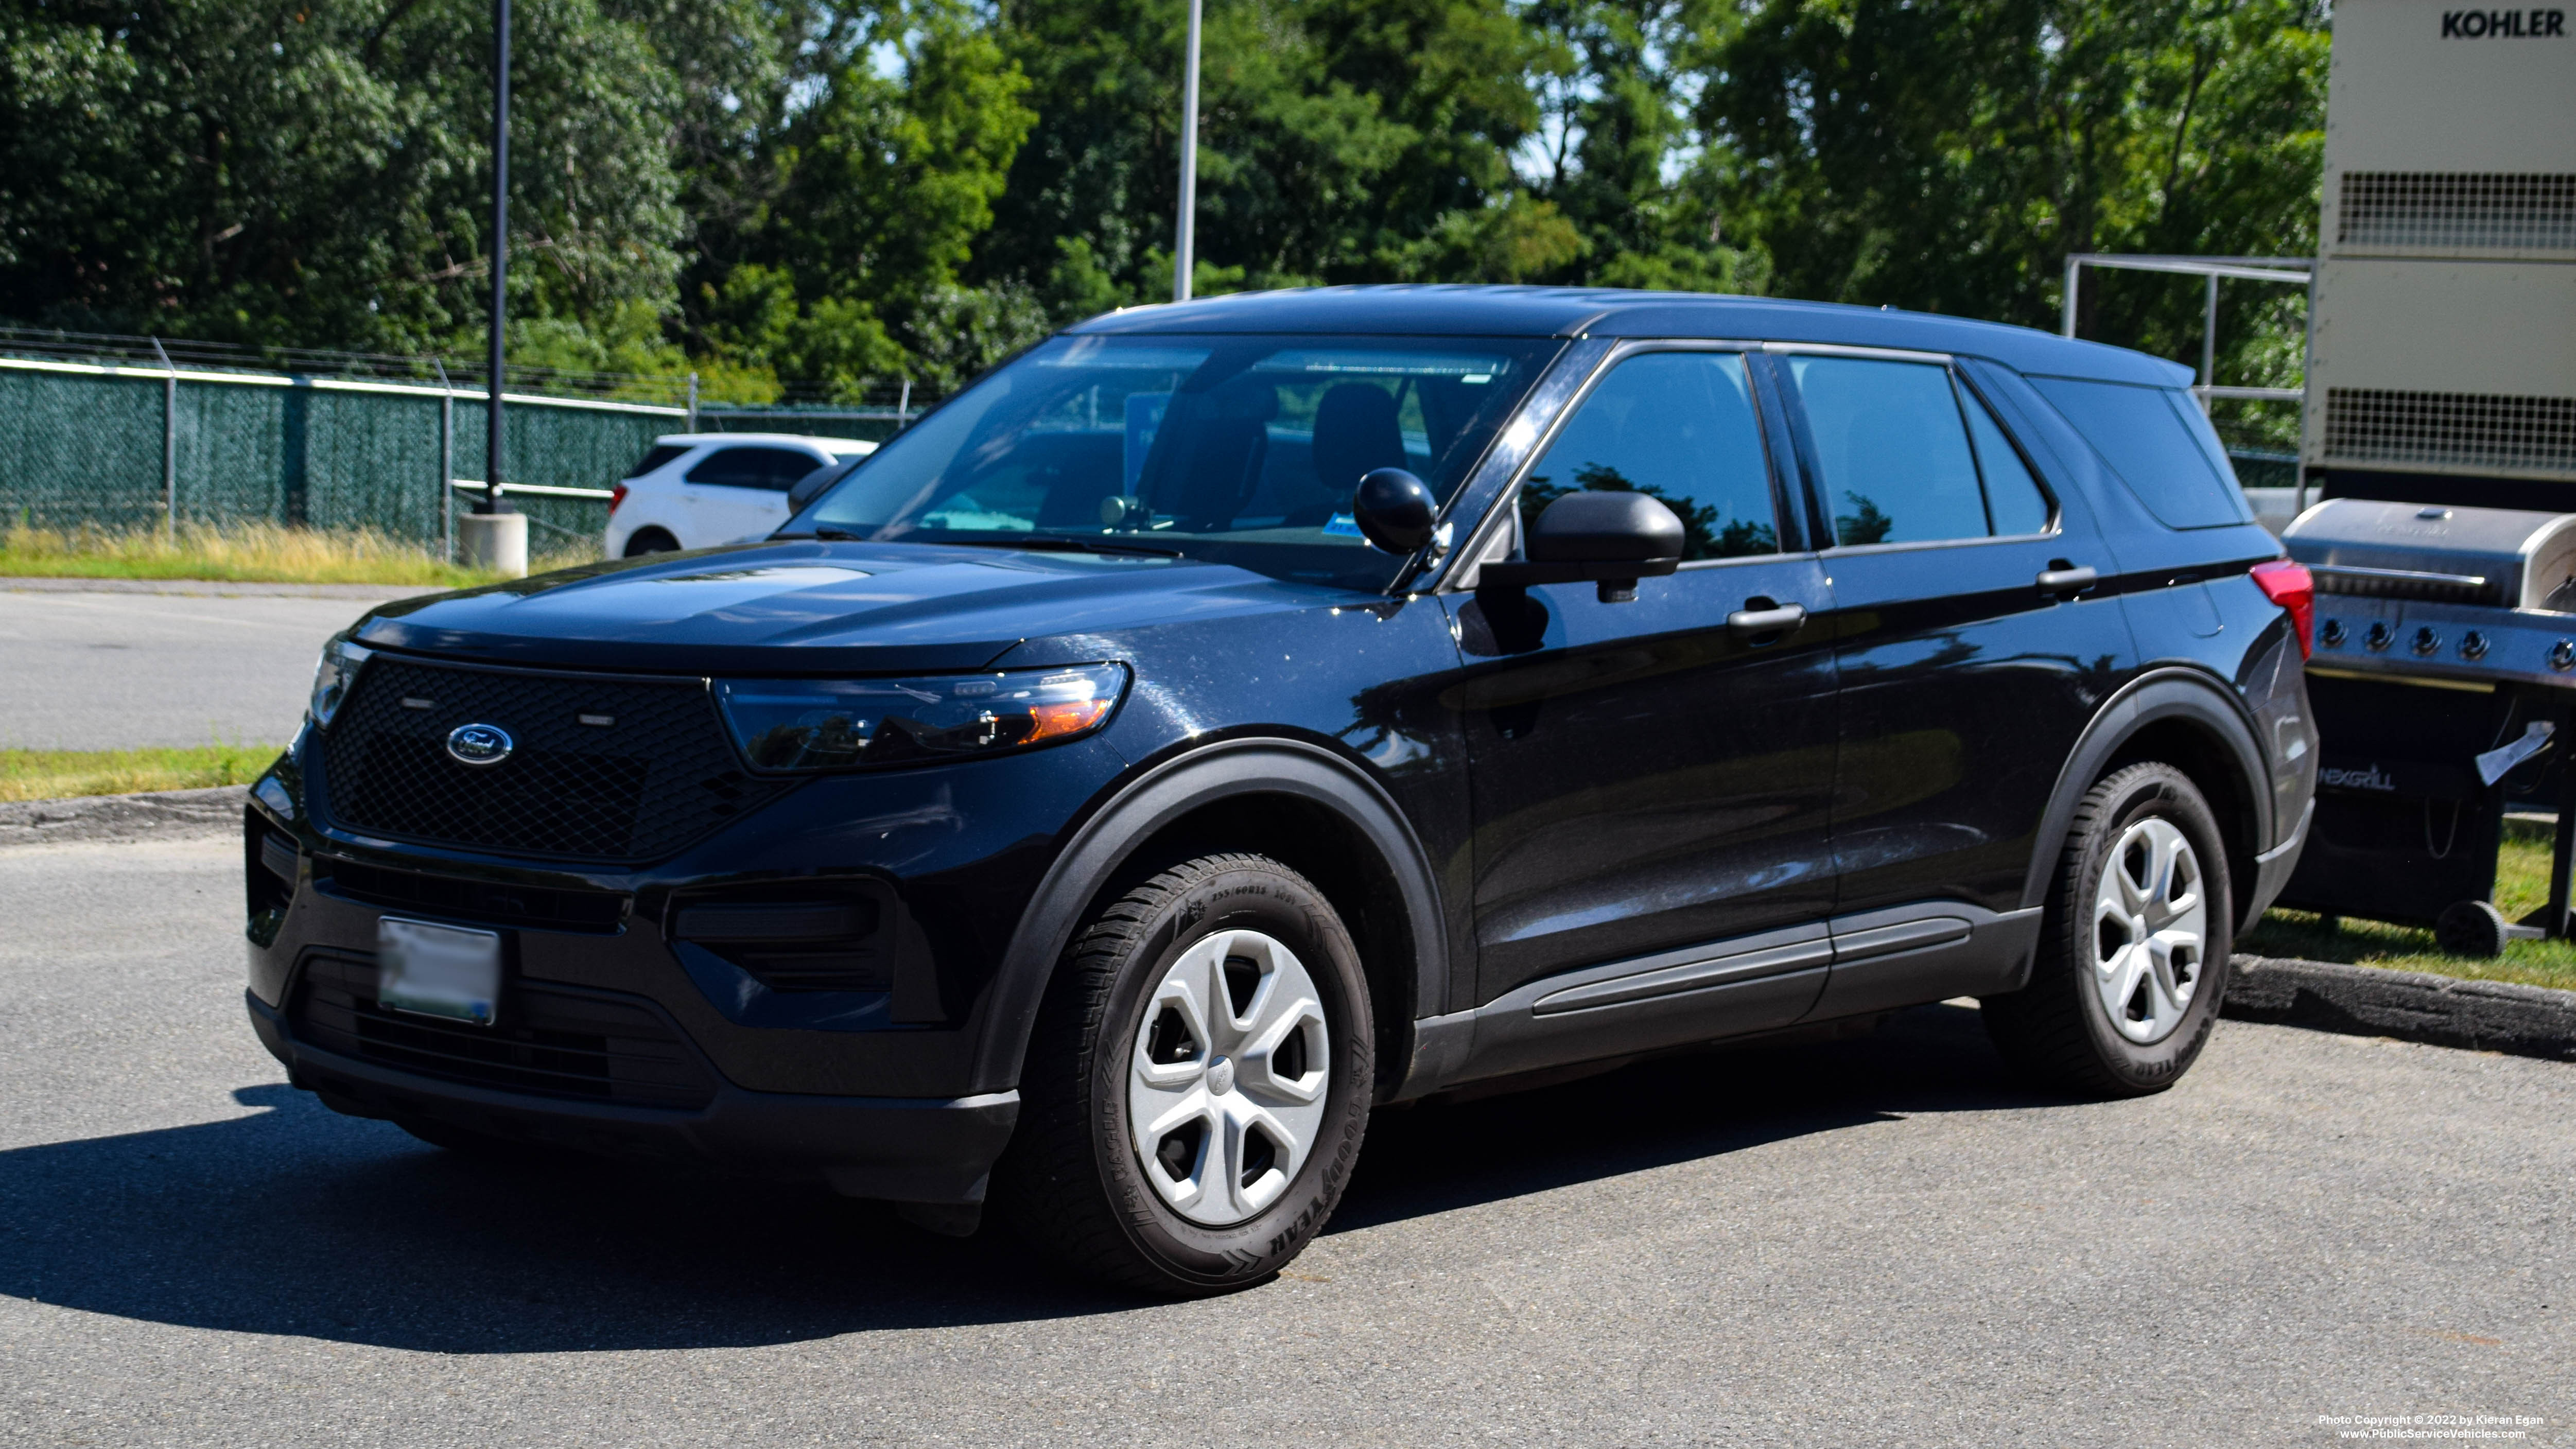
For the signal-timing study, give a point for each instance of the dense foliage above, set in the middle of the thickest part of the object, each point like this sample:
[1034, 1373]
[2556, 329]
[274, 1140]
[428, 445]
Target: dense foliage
[785, 189]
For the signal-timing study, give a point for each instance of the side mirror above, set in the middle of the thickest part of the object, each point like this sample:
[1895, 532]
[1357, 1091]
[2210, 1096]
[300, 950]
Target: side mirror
[1396, 510]
[810, 487]
[1612, 539]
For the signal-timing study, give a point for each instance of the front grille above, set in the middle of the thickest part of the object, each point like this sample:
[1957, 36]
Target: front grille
[549, 1043]
[658, 775]
[543, 907]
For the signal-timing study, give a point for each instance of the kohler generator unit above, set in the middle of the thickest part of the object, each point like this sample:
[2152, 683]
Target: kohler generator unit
[2444, 677]
[2441, 427]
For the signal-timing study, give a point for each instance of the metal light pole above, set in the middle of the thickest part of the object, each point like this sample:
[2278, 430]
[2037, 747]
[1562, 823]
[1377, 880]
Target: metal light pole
[1189, 164]
[492, 472]
[494, 535]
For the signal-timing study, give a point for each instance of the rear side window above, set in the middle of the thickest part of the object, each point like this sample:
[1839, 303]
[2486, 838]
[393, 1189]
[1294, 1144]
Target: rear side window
[654, 457]
[2158, 443]
[1893, 449]
[773, 468]
[1679, 427]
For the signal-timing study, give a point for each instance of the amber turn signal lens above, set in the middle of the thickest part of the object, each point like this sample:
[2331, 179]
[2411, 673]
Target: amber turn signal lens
[1071, 717]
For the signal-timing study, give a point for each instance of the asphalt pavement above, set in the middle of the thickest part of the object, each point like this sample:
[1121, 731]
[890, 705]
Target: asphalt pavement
[1879, 1241]
[90, 666]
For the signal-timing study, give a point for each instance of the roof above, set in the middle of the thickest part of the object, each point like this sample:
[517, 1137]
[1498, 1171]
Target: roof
[1466, 311]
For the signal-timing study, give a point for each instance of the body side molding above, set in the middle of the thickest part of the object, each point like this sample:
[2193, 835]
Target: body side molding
[1816, 971]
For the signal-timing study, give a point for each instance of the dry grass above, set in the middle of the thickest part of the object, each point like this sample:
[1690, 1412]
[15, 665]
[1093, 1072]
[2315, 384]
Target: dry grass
[242, 553]
[55, 774]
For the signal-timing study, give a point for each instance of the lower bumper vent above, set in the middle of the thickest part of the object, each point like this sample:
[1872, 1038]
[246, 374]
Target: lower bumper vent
[548, 1042]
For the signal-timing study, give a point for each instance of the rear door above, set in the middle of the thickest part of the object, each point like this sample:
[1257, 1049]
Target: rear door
[741, 491]
[1972, 649]
[1645, 779]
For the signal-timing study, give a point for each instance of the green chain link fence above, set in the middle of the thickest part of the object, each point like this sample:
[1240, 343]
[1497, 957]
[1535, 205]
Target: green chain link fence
[82, 443]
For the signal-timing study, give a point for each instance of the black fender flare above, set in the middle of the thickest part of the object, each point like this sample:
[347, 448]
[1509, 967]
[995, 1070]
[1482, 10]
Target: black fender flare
[2159, 694]
[1266, 765]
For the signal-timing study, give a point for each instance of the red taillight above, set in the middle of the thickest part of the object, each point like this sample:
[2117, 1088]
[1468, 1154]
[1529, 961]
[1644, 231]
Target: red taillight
[2290, 586]
[616, 496]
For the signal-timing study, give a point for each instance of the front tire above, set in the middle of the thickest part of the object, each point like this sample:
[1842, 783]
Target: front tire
[2133, 953]
[1197, 1084]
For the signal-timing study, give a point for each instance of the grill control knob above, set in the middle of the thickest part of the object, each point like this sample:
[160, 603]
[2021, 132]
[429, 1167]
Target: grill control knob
[2333, 634]
[2380, 636]
[2473, 645]
[2427, 642]
[2562, 655]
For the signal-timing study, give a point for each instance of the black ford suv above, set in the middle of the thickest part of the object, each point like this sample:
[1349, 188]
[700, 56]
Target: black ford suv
[1229, 717]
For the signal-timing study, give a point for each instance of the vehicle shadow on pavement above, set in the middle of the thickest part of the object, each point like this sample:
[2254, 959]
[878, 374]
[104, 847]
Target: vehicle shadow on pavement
[292, 1220]
[1699, 1104]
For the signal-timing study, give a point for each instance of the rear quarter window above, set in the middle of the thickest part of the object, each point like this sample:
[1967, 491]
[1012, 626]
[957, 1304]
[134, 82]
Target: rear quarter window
[2157, 442]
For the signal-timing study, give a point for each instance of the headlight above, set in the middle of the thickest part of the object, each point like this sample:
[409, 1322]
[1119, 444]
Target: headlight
[333, 674]
[832, 724]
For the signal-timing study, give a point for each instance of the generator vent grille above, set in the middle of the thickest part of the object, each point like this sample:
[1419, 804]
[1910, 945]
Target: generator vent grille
[2467, 210]
[2463, 429]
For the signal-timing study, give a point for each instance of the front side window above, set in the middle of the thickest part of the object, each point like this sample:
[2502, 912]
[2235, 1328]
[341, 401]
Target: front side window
[1231, 449]
[1897, 464]
[1679, 427]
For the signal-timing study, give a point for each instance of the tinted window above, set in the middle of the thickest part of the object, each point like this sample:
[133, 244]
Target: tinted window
[2012, 494]
[1678, 426]
[1893, 450]
[654, 457]
[1235, 449]
[777, 468]
[2155, 439]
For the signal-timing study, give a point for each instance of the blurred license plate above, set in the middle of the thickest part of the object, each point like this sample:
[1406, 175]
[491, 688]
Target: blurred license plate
[437, 970]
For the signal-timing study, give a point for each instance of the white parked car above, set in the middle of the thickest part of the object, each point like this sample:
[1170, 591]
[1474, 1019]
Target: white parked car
[694, 490]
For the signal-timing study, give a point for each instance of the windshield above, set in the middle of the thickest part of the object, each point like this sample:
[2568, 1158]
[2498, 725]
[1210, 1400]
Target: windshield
[1240, 450]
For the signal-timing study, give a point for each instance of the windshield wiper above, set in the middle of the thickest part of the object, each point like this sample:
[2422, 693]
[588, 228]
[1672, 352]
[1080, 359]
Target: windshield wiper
[1056, 543]
[827, 535]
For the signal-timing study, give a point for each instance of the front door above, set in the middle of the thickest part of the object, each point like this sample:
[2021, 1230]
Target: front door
[1646, 779]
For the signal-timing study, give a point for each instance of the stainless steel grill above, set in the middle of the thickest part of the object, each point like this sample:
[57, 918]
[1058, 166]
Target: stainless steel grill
[2411, 590]
[2442, 684]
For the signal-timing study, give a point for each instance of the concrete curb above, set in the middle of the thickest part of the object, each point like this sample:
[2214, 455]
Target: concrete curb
[159, 814]
[2496, 1016]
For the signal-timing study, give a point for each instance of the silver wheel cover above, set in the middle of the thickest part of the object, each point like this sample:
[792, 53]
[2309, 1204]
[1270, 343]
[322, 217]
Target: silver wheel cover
[1215, 1097]
[2150, 931]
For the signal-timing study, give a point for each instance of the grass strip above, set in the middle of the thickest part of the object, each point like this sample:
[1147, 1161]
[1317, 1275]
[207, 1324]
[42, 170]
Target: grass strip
[248, 552]
[57, 774]
[2522, 885]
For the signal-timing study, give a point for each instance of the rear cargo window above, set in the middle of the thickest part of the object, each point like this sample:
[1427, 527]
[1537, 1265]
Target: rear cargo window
[654, 457]
[2155, 439]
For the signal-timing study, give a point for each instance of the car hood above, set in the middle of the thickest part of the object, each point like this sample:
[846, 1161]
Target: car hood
[810, 607]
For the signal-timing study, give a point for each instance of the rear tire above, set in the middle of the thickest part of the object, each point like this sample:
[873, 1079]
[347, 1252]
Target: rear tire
[651, 540]
[1197, 1083]
[2133, 952]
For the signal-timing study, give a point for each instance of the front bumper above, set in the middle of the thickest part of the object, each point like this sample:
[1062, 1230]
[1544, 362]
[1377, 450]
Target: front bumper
[897, 1149]
[683, 1053]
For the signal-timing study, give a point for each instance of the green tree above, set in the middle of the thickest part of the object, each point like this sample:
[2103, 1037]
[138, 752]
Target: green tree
[313, 173]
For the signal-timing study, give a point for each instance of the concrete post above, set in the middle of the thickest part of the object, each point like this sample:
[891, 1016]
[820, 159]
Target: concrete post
[495, 541]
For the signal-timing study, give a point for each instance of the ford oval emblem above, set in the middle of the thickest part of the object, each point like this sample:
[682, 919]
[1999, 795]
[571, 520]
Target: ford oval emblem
[479, 744]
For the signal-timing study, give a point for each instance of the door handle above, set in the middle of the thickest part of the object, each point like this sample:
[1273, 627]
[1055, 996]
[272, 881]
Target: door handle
[1750, 623]
[2066, 580]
